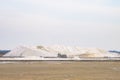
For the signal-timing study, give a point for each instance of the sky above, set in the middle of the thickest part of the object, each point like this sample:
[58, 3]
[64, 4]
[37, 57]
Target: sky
[84, 23]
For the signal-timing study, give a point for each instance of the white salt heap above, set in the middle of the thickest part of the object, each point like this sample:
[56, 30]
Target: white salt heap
[53, 51]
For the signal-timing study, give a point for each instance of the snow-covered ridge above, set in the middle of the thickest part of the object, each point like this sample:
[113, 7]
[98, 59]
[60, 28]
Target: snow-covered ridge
[53, 51]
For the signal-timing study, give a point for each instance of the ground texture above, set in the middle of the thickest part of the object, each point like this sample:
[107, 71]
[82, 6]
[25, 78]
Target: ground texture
[60, 71]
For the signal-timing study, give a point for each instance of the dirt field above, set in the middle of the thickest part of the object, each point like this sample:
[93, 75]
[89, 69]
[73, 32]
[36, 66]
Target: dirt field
[61, 71]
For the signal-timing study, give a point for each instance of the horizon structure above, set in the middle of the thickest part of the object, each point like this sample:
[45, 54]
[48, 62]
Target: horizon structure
[84, 23]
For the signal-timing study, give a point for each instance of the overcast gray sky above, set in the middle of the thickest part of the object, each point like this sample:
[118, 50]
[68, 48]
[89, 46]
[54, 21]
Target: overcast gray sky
[84, 23]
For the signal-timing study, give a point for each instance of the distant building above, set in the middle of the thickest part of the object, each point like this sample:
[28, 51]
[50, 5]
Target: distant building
[61, 55]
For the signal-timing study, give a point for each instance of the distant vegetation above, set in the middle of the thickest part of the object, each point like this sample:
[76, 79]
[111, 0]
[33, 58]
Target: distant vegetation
[114, 51]
[2, 52]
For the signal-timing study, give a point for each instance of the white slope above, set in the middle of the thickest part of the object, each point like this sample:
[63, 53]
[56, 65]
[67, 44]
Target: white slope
[23, 51]
[52, 51]
[77, 51]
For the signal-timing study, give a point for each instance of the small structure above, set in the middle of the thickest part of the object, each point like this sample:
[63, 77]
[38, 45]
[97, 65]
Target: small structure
[61, 55]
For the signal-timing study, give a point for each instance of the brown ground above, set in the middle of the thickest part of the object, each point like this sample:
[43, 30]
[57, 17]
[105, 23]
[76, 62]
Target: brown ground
[61, 71]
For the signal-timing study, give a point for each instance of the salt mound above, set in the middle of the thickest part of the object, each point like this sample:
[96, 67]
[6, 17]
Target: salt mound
[23, 51]
[53, 51]
[77, 51]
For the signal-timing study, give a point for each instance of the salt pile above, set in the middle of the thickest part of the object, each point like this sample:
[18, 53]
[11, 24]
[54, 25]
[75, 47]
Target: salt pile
[53, 51]
[23, 51]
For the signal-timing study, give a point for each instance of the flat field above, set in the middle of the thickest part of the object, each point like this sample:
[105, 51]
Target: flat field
[49, 70]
